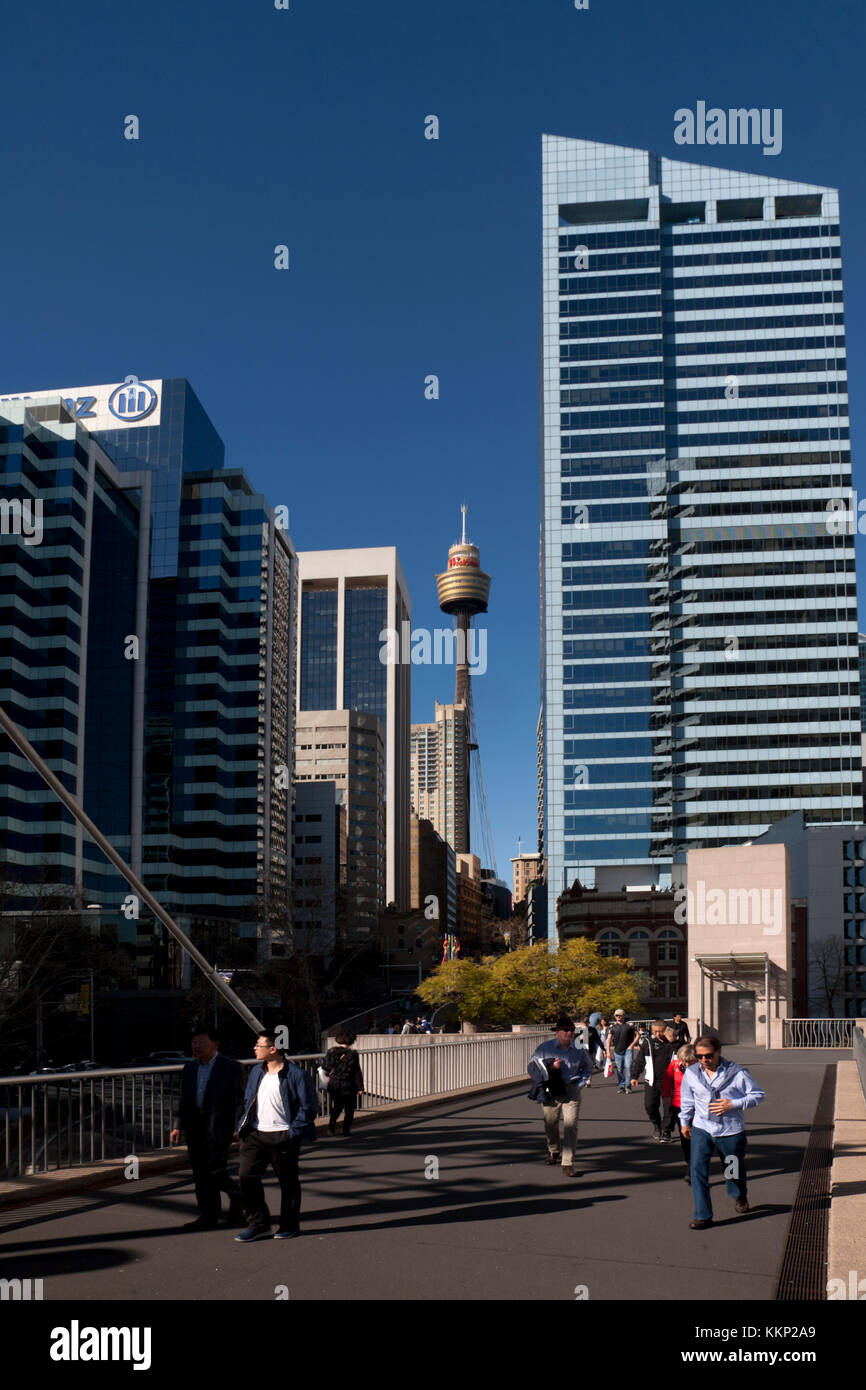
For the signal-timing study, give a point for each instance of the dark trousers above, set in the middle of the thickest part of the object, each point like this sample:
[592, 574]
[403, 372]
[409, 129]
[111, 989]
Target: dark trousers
[210, 1175]
[652, 1097]
[260, 1149]
[342, 1103]
[672, 1117]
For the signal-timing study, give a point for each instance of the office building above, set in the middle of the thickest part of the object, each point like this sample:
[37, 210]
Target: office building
[526, 869]
[74, 546]
[434, 877]
[439, 773]
[319, 867]
[699, 602]
[191, 606]
[349, 600]
[345, 751]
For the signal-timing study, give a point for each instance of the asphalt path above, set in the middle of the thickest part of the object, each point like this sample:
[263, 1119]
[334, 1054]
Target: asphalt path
[496, 1223]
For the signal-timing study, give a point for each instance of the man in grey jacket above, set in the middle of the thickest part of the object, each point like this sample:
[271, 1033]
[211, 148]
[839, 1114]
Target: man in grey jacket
[560, 1070]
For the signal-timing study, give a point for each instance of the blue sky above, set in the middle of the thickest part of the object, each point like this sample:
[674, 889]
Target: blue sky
[305, 127]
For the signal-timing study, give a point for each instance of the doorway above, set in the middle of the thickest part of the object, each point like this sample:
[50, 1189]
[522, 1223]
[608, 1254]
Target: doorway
[737, 1017]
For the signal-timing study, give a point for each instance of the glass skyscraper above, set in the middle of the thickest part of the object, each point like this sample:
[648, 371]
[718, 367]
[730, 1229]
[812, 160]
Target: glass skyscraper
[150, 658]
[71, 596]
[349, 599]
[700, 672]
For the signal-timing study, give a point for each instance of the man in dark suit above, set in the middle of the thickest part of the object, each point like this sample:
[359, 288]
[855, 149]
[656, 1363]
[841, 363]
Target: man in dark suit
[211, 1101]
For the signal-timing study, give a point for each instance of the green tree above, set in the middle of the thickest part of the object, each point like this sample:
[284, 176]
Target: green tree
[532, 984]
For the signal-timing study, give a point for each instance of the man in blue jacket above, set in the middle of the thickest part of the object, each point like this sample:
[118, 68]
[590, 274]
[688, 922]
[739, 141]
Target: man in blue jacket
[714, 1095]
[280, 1107]
[559, 1071]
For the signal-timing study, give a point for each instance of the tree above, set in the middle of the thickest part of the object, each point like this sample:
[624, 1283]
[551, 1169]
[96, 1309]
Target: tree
[533, 984]
[827, 970]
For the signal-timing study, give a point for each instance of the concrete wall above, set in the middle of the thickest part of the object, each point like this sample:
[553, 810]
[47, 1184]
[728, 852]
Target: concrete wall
[739, 904]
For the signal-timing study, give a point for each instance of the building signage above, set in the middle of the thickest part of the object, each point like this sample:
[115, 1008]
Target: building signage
[116, 406]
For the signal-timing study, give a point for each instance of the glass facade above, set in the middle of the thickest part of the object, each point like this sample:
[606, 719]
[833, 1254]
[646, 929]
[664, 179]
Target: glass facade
[218, 816]
[319, 649]
[184, 440]
[365, 685]
[700, 633]
[67, 608]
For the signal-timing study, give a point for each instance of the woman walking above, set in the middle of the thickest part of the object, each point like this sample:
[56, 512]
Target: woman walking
[671, 1089]
[345, 1081]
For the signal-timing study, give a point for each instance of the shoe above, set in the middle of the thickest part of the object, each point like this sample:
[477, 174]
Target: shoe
[699, 1225]
[688, 1179]
[657, 1134]
[552, 1158]
[589, 1083]
[285, 1235]
[251, 1234]
[664, 1138]
[622, 1090]
[741, 1206]
[568, 1170]
[332, 1129]
[200, 1224]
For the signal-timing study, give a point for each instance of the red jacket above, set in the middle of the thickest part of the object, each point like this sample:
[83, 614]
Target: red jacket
[673, 1080]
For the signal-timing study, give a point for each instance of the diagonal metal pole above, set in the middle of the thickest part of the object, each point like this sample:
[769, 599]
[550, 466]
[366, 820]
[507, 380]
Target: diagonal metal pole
[29, 752]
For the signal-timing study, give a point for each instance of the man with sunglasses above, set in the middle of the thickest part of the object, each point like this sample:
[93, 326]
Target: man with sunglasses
[715, 1093]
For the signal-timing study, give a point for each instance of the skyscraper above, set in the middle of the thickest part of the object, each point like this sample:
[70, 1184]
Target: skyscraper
[348, 599]
[439, 771]
[176, 577]
[699, 607]
[72, 592]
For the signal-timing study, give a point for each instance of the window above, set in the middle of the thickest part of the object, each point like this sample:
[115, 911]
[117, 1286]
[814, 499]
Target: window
[609, 943]
[668, 947]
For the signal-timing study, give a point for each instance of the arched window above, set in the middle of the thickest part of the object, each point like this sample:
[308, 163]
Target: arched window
[609, 943]
[668, 946]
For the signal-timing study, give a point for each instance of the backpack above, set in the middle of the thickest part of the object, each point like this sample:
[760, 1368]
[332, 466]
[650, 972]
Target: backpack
[342, 1076]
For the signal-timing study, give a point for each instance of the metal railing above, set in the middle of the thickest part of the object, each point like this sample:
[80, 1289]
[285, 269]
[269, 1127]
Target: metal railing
[859, 1040]
[818, 1032]
[73, 1119]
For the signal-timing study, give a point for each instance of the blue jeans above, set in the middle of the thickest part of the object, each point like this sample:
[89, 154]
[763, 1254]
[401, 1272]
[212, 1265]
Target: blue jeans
[728, 1145]
[622, 1062]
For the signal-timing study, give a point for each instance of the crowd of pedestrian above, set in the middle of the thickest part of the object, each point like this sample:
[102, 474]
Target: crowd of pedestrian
[690, 1087]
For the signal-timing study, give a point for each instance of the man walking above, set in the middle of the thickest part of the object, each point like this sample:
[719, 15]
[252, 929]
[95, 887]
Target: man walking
[651, 1061]
[681, 1031]
[279, 1113]
[619, 1044]
[211, 1099]
[713, 1097]
[559, 1071]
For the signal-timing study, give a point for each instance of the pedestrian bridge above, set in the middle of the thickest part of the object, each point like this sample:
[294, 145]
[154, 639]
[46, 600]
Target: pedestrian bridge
[452, 1199]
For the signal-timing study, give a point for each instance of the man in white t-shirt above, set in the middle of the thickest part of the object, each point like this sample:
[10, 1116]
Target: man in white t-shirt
[280, 1107]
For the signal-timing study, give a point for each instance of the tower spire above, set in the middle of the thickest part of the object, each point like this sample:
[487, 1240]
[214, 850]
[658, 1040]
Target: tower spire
[464, 510]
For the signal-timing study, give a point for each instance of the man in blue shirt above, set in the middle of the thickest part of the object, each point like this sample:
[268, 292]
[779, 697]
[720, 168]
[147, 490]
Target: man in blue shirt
[559, 1071]
[715, 1093]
